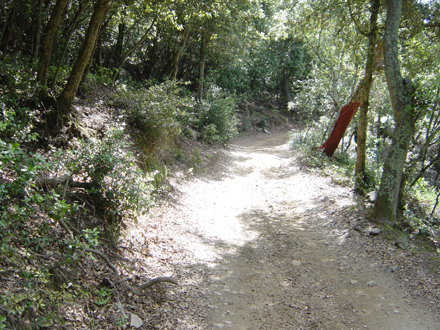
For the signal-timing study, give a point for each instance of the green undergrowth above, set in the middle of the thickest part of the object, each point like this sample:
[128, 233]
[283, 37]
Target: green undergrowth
[57, 204]
[340, 167]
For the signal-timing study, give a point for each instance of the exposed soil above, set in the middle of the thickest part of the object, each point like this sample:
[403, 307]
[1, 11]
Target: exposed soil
[261, 243]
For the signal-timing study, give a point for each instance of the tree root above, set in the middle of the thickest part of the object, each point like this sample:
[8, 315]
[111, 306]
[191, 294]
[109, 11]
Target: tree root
[135, 291]
[157, 280]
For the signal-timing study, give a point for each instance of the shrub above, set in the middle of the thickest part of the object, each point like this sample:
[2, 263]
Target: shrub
[216, 117]
[117, 186]
[154, 112]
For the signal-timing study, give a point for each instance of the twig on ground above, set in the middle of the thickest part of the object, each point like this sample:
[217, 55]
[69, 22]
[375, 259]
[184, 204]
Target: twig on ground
[158, 280]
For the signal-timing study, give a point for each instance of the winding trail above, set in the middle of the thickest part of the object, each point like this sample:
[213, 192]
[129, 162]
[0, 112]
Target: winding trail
[267, 245]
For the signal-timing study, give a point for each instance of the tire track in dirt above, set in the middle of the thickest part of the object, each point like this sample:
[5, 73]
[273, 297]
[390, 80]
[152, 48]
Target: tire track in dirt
[261, 246]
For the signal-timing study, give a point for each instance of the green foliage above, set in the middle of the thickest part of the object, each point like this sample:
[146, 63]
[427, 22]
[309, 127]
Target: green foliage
[16, 77]
[31, 212]
[104, 296]
[277, 59]
[102, 76]
[15, 97]
[418, 213]
[340, 167]
[154, 112]
[267, 67]
[216, 116]
[91, 236]
[117, 186]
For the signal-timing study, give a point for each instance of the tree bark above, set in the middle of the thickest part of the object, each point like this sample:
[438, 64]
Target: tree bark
[68, 94]
[359, 98]
[46, 47]
[117, 56]
[36, 48]
[364, 100]
[7, 28]
[345, 115]
[130, 51]
[203, 41]
[83, 6]
[92, 56]
[178, 53]
[285, 88]
[400, 90]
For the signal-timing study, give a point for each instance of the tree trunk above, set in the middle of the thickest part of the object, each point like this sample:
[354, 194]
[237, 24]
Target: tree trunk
[176, 58]
[359, 98]
[92, 56]
[71, 29]
[203, 40]
[130, 51]
[285, 88]
[385, 209]
[67, 95]
[152, 58]
[368, 79]
[7, 29]
[46, 46]
[117, 55]
[36, 48]
[345, 115]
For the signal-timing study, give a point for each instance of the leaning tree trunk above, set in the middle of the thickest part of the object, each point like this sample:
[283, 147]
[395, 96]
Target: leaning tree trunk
[178, 54]
[46, 47]
[70, 31]
[67, 95]
[358, 99]
[368, 79]
[130, 51]
[400, 90]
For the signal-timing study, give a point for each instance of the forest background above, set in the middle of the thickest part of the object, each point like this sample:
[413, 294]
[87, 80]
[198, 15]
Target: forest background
[157, 73]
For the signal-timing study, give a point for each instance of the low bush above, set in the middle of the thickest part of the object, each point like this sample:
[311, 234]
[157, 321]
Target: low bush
[216, 116]
[154, 112]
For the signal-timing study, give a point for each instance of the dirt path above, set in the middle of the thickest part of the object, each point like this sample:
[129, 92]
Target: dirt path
[267, 245]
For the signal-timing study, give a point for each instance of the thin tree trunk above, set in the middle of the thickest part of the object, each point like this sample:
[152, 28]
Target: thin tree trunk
[203, 42]
[368, 79]
[7, 29]
[68, 94]
[46, 47]
[400, 91]
[130, 51]
[36, 47]
[117, 55]
[285, 90]
[152, 58]
[72, 28]
[176, 58]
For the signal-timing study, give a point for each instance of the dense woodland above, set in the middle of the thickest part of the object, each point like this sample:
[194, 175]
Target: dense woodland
[163, 71]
